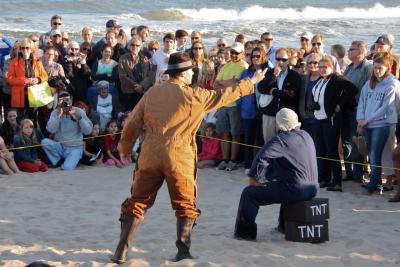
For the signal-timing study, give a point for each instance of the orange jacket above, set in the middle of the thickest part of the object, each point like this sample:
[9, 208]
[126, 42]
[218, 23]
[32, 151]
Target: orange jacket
[16, 78]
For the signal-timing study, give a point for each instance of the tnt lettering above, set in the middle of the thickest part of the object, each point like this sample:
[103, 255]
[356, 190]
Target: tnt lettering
[310, 231]
[318, 210]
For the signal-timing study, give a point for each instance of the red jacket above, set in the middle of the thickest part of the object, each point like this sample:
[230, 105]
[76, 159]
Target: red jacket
[211, 150]
[16, 78]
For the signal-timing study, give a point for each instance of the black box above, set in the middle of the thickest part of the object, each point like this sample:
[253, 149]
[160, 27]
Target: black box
[315, 232]
[314, 210]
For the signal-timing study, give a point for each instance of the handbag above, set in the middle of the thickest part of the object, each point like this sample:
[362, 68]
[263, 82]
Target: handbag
[39, 95]
[361, 145]
[265, 100]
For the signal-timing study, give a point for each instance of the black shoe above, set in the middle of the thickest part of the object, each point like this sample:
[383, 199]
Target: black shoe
[280, 229]
[348, 178]
[335, 188]
[396, 198]
[324, 184]
[387, 188]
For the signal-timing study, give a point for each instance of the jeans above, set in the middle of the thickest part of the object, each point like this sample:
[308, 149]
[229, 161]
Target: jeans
[273, 193]
[326, 144]
[350, 151]
[55, 152]
[375, 139]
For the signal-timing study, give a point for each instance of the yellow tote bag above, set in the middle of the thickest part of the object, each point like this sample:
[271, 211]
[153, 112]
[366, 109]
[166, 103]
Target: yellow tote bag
[39, 95]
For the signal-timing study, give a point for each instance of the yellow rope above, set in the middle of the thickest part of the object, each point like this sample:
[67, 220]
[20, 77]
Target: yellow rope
[199, 135]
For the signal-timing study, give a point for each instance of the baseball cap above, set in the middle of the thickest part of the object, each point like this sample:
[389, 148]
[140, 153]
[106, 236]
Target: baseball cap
[112, 23]
[55, 32]
[383, 39]
[238, 47]
[307, 35]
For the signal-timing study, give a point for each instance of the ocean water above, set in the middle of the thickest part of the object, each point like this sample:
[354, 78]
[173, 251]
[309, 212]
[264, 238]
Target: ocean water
[340, 21]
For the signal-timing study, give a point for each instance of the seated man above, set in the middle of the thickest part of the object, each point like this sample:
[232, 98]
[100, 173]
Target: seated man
[68, 124]
[284, 171]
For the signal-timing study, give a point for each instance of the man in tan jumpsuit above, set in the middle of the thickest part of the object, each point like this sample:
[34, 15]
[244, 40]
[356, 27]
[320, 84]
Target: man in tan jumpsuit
[169, 115]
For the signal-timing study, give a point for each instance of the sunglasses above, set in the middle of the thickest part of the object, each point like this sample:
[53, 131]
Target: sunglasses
[281, 59]
[195, 38]
[303, 39]
[34, 41]
[256, 56]
[353, 49]
[86, 49]
[197, 48]
[56, 23]
[135, 45]
[234, 53]
[153, 48]
[268, 39]
[221, 45]
[312, 62]
[57, 36]
[24, 48]
[316, 44]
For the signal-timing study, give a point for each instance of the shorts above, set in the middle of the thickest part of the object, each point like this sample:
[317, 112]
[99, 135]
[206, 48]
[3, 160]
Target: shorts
[229, 121]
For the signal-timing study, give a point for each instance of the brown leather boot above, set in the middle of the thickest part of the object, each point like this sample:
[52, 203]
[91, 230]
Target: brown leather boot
[129, 225]
[184, 228]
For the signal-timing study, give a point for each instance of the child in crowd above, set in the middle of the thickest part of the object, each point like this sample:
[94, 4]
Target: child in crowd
[27, 159]
[211, 153]
[93, 147]
[7, 163]
[162, 77]
[207, 76]
[111, 155]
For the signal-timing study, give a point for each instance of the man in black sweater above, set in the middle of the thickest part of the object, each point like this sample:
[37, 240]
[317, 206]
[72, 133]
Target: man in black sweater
[284, 85]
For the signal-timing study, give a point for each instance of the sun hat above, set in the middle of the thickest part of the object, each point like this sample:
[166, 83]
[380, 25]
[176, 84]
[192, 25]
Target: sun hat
[178, 62]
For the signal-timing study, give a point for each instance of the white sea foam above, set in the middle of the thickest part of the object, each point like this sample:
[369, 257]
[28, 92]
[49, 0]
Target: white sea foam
[260, 13]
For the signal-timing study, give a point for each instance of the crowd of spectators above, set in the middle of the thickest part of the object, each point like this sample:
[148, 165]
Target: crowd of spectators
[338, 96]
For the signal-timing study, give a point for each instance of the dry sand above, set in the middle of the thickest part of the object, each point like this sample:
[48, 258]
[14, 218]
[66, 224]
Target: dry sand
[71, 219]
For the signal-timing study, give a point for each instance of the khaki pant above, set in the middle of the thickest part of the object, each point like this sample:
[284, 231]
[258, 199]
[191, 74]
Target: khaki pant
[268, 127]
[171, 161]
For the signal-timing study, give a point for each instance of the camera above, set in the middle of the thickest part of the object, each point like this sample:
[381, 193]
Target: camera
[65, 103]
[312, 106]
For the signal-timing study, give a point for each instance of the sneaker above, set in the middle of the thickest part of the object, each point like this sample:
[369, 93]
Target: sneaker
[247, 171]
[222, 165]
[231, 166]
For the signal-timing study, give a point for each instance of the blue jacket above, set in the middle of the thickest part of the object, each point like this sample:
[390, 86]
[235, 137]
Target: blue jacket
[290, 158]
[28, 154]
[5, 50]
[249, 104]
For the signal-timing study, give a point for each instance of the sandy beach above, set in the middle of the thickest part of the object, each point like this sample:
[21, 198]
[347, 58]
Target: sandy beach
[71, 219]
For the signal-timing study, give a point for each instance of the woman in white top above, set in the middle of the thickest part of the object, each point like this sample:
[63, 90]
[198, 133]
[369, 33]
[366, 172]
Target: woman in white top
[331, 95]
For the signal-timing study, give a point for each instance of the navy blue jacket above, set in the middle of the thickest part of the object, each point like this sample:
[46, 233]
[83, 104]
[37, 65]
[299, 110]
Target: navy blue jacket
[27, 154]
[289, 157]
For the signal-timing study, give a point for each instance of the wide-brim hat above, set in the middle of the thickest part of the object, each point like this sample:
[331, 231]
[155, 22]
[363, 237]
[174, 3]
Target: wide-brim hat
[179, 66]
